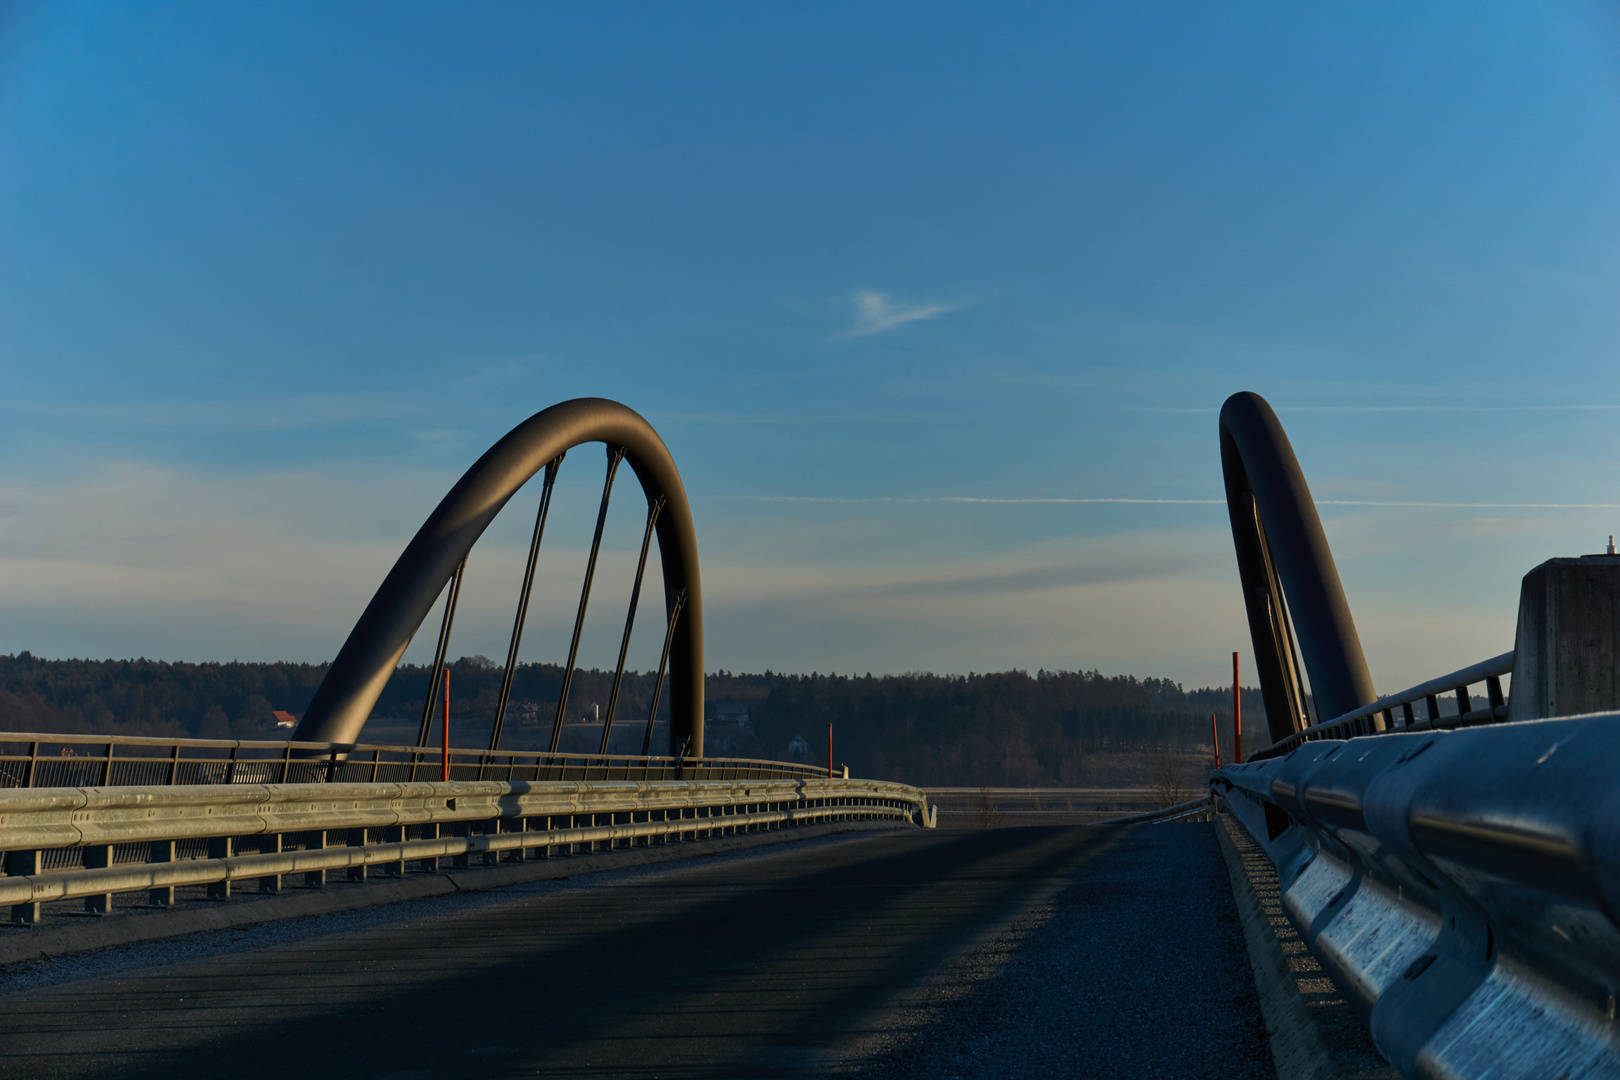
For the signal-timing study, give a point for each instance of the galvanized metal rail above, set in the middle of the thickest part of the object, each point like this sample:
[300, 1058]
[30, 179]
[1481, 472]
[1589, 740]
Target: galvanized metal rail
[1460, 886]
[1192, 810]
[39, 759]
[90, 843]
[1379, 717]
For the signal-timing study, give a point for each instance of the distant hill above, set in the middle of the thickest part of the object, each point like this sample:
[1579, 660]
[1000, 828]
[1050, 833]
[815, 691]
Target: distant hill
[1004, 728]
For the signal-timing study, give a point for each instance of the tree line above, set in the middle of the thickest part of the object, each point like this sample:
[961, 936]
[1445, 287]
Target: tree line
[1004, 728]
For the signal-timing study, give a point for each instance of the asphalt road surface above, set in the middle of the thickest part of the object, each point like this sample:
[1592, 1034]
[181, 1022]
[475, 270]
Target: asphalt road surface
[1021, 952]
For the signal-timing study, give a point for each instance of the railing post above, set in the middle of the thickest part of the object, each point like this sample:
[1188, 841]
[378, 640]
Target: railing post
[220, 847]
[460, 829]
[98, 857]
[25, 864]
[316, 879]
[357, 839]
[270, 844]
[162, 852]
[394, 834]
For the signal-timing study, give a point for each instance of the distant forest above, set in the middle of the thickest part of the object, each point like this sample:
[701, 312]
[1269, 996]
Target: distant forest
[1005, 728]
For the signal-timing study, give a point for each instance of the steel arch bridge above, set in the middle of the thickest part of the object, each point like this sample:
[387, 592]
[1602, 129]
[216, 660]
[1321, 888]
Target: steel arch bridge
[434, 560]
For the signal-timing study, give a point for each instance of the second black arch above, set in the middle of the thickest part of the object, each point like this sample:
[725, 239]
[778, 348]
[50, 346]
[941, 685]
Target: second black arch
[1290, 583]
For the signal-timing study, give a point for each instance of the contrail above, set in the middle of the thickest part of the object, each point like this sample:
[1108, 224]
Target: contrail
[1164, 502]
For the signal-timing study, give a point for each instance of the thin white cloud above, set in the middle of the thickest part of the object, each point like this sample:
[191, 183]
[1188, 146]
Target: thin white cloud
[877, 313]
[970, 499]
[1167, 502]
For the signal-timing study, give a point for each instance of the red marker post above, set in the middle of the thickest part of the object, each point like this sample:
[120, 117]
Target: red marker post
[444, 733]
[829, 751]
[1215, 739]
[1237, 715]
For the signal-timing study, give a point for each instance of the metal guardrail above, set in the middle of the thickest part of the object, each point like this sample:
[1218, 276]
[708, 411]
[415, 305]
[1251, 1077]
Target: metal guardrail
[1381, 717]
[67, 843]
[38, 759]
[1192, 810]
[1461, 887]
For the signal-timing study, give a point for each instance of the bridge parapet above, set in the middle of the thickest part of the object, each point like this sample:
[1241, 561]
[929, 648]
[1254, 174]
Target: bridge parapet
[1461, 887]
[66, 843]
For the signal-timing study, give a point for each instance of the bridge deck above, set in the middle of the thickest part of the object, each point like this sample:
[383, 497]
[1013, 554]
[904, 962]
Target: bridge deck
[972, 953]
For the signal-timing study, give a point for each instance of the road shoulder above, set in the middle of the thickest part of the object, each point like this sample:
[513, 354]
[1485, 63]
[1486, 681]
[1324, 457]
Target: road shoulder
[1314, 1033]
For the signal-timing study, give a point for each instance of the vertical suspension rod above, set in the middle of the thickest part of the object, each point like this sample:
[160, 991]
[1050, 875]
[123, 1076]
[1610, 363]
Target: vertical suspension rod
[453, 594]
[654, 508]
[615, 454]
[523, 603]
[663, 663]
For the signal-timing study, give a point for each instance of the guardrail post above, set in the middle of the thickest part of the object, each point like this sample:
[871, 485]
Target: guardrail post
[430, 831]
[1493, 694]
[316, 879]
[394, 834]
[98, 857]
[491, 827]
[220, 848]
[357, 839]
[270, 844]
[162, 852]
[25, 864]
[462, 829]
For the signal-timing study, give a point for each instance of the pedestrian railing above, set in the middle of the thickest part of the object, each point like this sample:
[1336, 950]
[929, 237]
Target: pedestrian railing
[39, 760]
[1399, 712]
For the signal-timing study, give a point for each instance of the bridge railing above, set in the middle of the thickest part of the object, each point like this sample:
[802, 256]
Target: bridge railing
[43, 760]
[1459, 886]
[66, 843]
[1399, 712]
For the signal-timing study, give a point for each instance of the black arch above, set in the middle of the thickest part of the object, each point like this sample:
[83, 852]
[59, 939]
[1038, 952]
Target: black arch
[343, 701]
[1286, 568]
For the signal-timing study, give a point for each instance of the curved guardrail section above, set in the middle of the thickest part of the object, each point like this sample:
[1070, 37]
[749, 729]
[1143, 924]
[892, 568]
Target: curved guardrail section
[1461, 886]
[343, 701]
[1290, 583]
[1192, 810]
[72, 842]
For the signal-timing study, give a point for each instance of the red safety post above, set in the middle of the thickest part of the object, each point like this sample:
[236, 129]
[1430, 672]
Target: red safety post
[1237, 715]
[444, 732]
[829, 752]
[1215, 739]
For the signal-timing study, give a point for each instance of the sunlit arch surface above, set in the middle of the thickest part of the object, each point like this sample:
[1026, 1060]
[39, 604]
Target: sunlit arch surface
[344, 700]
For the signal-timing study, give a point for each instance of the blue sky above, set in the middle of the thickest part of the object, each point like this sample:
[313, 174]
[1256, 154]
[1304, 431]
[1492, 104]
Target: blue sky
[271, 276]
